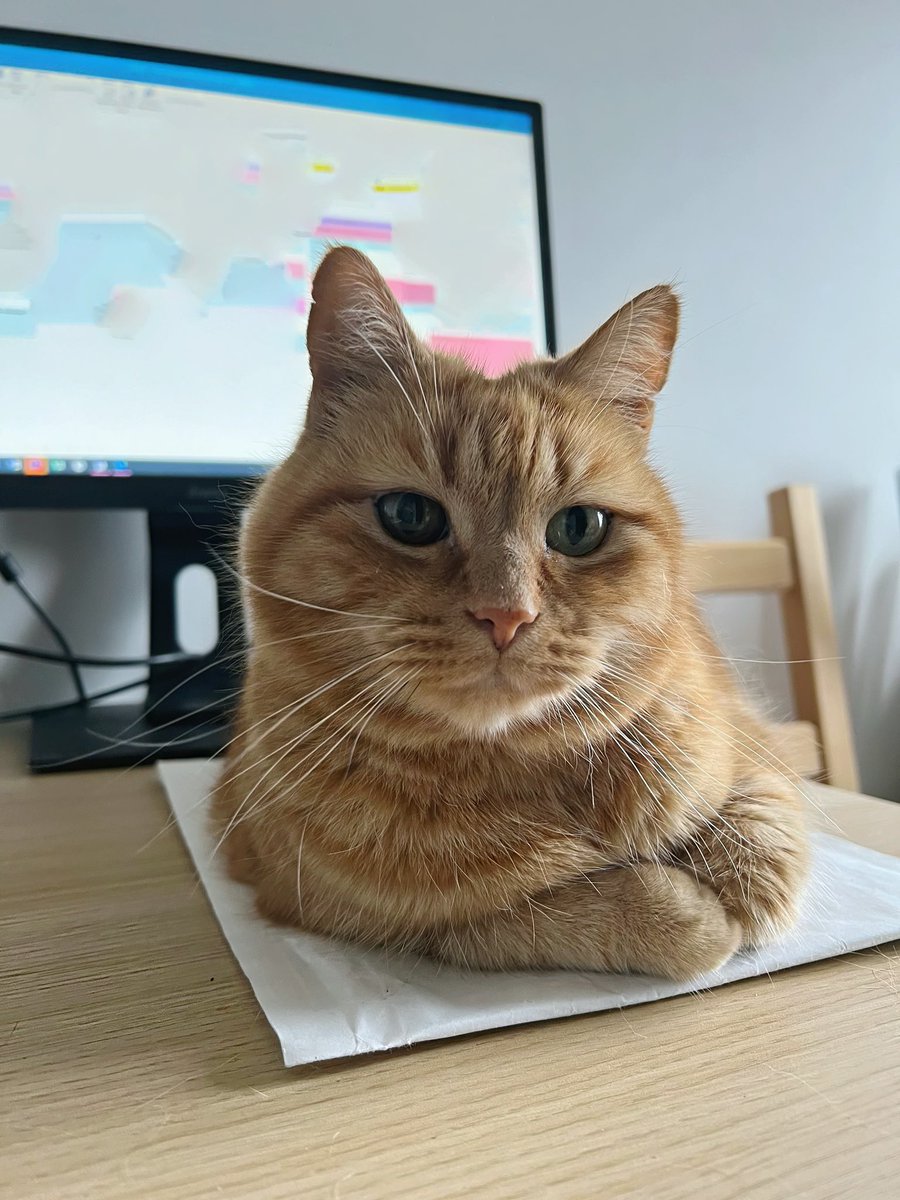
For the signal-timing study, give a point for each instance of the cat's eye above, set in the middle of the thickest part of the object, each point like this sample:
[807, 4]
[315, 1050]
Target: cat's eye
[577, 530]
[412, 518]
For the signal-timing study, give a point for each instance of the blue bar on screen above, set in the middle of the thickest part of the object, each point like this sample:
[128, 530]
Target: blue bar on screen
[261, 87]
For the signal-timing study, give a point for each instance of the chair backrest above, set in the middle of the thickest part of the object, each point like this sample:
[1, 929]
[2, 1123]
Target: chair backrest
[794, 563]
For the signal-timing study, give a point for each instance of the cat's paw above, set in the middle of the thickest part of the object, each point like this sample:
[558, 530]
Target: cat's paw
[679, 928]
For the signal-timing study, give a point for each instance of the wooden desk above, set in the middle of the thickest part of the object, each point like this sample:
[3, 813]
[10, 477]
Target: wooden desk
[135, 1062]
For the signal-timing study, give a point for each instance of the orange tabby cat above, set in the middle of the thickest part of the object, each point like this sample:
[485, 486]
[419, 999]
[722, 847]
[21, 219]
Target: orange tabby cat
[482, 718]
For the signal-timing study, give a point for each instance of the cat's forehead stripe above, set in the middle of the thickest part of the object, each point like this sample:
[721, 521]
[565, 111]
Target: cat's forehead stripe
[504, 438]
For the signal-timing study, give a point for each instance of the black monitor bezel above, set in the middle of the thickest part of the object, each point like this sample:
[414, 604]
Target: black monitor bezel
[154, 491]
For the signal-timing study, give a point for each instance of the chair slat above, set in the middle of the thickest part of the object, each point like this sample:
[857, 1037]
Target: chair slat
[794, 563]
[817, 676]
[796, 743]
[759, 566]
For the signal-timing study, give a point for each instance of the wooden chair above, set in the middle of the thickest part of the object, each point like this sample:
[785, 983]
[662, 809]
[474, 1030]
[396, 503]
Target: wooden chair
[794, 563]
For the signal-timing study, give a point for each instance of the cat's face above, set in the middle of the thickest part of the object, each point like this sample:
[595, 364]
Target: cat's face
[497, 542]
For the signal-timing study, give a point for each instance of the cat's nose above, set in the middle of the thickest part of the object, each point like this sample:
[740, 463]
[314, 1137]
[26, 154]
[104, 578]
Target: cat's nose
[502, 624]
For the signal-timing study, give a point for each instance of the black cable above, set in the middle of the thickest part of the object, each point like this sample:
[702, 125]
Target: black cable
[85, 660]
[22, 714]
[11, 572]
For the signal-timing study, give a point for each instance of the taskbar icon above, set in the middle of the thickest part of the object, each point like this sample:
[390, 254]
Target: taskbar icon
[36, 464]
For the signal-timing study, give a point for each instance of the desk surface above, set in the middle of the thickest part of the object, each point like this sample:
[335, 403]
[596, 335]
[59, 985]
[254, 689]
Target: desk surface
[135, 1061]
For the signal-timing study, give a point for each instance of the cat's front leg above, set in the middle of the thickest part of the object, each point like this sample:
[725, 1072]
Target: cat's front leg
[646, 918]
[753, 853]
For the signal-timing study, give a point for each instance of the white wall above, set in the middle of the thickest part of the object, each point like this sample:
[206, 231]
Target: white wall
[747, 151]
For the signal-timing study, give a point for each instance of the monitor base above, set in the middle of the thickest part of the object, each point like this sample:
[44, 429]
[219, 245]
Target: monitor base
[119, 735]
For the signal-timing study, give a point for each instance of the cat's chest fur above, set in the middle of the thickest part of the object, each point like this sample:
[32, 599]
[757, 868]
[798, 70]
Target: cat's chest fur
[399, 835]
[399, 825]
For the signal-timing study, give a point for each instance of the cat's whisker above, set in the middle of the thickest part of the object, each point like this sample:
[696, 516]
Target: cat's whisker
[649, 791]
[713, 820]
[731, 658]
[396, 378]
[306, 732]
[244, 809]
[225, 658]
[217, 703]
[198, 732]
[751, 758]
[590, 750]
[438, 392]
[766, 756]
[407, 344]
[281, 752]
[299, 856]
[706, 819]
[294, 706]
[335, 742]
[339, 612]
[406, 679]
[621, 737]
[657, 731]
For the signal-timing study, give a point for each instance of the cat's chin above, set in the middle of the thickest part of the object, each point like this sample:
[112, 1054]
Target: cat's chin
[486, 713]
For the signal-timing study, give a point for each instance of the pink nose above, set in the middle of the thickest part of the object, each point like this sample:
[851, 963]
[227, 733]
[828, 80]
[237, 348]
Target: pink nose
[502, 623]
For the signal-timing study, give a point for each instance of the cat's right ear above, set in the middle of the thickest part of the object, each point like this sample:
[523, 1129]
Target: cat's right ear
[356, 334]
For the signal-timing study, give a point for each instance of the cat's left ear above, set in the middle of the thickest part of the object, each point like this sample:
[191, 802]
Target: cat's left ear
[625, 363]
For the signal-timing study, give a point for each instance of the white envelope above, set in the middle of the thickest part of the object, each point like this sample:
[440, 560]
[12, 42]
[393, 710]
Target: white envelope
[328, 1000]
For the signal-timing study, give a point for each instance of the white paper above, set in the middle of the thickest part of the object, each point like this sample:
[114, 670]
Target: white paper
[328, 1000]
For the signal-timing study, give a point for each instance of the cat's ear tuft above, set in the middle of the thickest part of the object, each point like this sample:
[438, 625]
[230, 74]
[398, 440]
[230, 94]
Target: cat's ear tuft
[625, 363]
[356, 329]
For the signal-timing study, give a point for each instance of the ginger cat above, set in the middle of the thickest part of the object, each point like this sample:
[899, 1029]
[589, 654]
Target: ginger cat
[482, 718]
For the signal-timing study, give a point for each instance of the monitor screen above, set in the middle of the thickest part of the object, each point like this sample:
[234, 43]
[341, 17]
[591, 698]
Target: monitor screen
[160, 221]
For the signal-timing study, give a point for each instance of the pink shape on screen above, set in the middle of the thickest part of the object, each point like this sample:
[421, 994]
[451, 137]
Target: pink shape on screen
[411, 293]
[352, 233]
[493, 356]
[295, 269]
[6, 192]
[300, 305]
[356, 222]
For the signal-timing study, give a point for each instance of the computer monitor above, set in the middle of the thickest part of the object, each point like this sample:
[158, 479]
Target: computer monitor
[161, 216]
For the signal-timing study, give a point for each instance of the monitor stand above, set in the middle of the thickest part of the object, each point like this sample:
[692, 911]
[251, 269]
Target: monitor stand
[188, 707]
